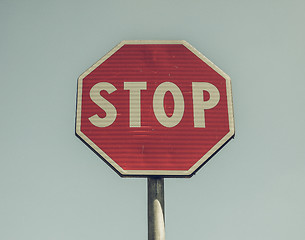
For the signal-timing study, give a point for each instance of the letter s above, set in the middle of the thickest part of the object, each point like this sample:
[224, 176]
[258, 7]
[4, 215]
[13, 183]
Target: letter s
[109, 109]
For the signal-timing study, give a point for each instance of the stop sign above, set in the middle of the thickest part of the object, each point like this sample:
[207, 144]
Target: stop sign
[154, 108]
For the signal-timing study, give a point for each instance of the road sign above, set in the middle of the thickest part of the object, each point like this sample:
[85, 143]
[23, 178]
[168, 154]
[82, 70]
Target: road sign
[154, 108]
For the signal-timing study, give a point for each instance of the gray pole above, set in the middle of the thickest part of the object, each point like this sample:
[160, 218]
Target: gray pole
[155, 194]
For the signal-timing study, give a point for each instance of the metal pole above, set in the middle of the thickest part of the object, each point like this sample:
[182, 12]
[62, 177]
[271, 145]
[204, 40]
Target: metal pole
[155, 193]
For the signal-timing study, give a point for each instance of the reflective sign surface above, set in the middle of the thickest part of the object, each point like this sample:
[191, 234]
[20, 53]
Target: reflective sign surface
[154, 108]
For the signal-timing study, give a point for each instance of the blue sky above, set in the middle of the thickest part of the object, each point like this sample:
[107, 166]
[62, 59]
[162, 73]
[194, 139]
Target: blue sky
[54, 187]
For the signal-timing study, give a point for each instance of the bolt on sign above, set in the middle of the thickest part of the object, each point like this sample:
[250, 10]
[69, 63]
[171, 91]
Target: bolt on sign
[154, 108]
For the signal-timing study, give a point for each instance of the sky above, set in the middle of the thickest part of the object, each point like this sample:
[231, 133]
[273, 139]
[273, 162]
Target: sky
[52, 186]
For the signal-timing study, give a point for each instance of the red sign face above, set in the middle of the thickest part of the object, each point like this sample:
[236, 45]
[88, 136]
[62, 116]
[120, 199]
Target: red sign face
[154, 108]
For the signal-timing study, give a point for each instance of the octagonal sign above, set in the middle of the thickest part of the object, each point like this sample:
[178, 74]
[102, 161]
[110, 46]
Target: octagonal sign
[154, 108]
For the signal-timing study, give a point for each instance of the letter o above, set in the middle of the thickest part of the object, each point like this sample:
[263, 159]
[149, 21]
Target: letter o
[158, 104]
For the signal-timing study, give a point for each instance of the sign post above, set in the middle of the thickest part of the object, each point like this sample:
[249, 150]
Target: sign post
[156, 217]
[154, 109]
